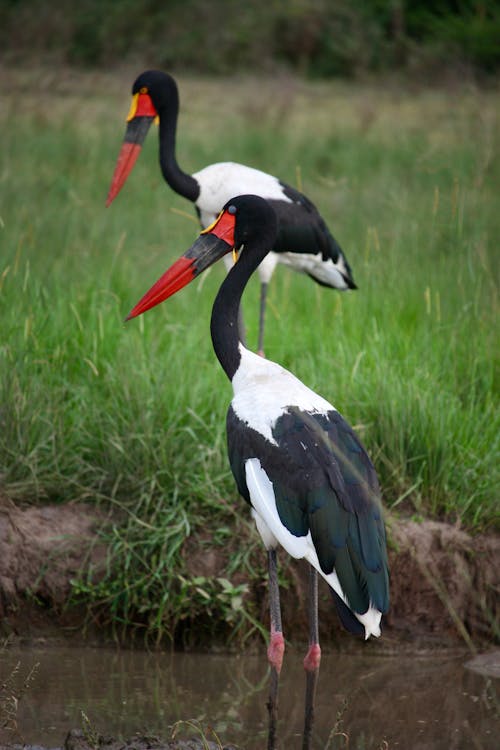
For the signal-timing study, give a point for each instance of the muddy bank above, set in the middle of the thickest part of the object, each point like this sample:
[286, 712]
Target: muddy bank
[444, 582]
[78, 740]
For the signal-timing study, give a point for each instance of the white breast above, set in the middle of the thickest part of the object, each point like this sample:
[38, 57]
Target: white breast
[220, 182]
[263, 391]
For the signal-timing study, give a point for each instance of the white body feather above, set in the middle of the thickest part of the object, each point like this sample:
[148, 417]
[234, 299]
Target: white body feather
[325, 271]
[225, 180]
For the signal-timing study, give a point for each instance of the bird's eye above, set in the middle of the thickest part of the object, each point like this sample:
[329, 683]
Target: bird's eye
[143, 90]
[231, 209]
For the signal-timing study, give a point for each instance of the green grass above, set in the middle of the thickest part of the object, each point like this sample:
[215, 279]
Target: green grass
[132, 417]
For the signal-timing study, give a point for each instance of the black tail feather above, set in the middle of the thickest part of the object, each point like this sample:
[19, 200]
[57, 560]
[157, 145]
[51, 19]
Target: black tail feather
[347, 618]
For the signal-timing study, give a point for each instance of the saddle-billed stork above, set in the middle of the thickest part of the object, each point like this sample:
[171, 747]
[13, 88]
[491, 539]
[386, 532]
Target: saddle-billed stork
[303, 241]
[310, 483]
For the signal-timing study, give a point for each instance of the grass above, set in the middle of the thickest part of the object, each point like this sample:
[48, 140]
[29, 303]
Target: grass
[13, 686]
[132, 417]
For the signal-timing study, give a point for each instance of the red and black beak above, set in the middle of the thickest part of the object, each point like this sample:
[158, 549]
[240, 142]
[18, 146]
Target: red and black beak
[214, 242]
[142, 114]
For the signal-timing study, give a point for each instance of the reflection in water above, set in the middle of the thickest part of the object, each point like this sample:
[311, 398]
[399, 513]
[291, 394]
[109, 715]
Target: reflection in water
[429, 703]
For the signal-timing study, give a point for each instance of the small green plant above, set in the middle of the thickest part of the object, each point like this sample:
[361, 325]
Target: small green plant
[338, 733]
[12, 689]
[90, 734]
[204, 734]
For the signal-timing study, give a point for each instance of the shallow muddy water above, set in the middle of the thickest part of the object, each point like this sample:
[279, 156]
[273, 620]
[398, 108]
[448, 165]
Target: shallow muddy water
[432, 703]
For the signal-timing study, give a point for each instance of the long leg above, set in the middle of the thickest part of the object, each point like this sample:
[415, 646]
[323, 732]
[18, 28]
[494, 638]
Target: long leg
[312, 659]
[262, 317]
[276, 646]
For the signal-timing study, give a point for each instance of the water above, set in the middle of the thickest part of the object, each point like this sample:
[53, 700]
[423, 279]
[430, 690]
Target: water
[412, 703]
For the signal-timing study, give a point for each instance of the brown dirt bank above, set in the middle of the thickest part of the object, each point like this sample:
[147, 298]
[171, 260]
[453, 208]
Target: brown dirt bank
[76, 740]
[444, 582]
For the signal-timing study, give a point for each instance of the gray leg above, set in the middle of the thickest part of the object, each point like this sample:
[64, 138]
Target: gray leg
[276, 646]
[262, 318]
[312, 659]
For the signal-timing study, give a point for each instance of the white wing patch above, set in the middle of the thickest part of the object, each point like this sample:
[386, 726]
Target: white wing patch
[273, 532]
[264, 507]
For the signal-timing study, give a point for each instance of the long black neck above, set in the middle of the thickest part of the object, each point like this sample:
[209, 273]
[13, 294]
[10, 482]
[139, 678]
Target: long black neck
[224, 322]
[178, 180]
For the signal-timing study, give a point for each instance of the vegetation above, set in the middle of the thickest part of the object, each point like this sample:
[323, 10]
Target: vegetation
[132, 417]
[322, 38]
[13, 686]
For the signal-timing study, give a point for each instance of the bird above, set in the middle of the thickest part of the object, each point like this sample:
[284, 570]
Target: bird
[303, 242]
[311, 487]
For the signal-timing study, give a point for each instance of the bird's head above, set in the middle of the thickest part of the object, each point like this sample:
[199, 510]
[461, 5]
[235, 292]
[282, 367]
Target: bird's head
[246, 224]
[152, 93]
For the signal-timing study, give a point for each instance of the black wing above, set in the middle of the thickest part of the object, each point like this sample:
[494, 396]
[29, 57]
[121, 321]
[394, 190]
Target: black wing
[325, 483]
[302, 229]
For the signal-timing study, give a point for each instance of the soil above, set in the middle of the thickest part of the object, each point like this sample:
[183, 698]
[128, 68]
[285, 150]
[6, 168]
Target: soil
[444, 582]
[78, 740]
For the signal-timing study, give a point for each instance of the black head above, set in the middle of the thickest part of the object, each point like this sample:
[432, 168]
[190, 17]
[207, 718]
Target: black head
[254, 220]
[154, 95]
[246, 223]
[160, 86]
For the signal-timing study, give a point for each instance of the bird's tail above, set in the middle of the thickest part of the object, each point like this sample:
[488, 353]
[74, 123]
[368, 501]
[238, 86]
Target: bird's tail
[341, 263]
[347, 617]
[368, 625]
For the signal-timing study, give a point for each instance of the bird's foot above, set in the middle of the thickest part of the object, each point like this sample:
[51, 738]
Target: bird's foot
[312, 658]
[261, 353]
[275, 650]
